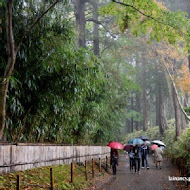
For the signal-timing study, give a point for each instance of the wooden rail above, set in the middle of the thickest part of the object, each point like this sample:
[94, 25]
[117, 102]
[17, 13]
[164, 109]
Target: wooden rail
[23, 156]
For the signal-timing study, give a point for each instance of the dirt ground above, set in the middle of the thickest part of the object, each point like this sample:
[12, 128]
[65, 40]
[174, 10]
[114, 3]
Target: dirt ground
[152, 179]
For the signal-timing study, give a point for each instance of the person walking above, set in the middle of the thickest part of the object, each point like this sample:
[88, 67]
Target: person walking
[131, 158]
[114, 160]
[137, 156]
[158, 157]
[145, 152]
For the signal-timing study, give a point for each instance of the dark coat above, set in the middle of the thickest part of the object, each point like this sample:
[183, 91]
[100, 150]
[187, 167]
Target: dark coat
[145, 150]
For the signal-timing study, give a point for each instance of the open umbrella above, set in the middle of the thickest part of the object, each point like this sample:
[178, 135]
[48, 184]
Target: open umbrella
[136, 141]
[158, 142]
[130, 141]
[144, 138]
[147, 142]
[127, 147]
[154, 146]
[115, 145]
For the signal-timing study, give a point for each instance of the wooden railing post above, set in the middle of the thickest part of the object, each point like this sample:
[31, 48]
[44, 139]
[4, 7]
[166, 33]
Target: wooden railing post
[100, 167]
[92, 168]
[72, 172]
[18, 182]
[106, 163]
[86, 171]
[51, 179]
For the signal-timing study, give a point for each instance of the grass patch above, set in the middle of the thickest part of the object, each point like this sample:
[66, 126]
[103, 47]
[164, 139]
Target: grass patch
[39, 178]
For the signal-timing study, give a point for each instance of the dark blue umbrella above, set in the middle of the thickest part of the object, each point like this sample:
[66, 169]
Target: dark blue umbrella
[144, 138]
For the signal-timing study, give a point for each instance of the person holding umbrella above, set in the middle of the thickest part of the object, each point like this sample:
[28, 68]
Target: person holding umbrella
[158, 157]
[145, 152]
[114, 154]
[137, 156]
[131, 158]
[114, 160]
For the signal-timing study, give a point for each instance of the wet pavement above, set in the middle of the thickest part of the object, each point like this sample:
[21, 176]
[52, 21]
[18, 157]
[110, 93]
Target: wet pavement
[152, 179]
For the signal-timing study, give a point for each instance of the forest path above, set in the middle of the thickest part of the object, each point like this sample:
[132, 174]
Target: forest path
[152, 179]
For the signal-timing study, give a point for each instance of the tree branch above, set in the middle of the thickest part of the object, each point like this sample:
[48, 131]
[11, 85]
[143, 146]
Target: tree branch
[148, 16]
[34, 23]
[98, 22]
[9, 28]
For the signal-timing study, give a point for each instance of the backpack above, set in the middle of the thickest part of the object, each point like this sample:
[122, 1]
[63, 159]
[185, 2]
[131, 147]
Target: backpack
[115, 159]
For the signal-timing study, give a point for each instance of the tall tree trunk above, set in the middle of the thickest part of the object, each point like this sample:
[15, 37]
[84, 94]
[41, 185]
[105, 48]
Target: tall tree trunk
[128, 126]
[186, 100]
[157, 109]
[132, 109]
[144, 97]
[79, 9]
[96, 48]
[9, 67]
[161, 104]
[137, 96]
[163, 120]
[177, 113]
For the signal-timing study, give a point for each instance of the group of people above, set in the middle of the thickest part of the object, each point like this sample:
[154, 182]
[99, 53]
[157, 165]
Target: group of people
[138, 156]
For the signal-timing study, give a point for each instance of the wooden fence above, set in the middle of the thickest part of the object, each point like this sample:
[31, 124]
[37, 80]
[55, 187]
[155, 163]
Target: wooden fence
[17, 157]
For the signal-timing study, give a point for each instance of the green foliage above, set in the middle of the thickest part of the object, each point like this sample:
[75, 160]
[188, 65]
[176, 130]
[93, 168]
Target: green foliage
[160, 23]
[169, 137]
[179, 148]
[59, 92]
[135, 115]
[153, 134]
[187, 110]
[39, 178]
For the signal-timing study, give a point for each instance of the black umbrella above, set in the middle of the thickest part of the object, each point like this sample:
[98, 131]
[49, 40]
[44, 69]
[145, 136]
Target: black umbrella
[144, 138]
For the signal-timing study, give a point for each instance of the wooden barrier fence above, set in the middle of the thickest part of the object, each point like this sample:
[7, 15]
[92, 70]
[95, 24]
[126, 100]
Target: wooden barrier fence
[19, 157]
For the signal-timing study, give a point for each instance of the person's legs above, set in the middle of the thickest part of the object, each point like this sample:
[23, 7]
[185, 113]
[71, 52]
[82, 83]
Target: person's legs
[138, 164]
[143, 158]
[156, 164]
[146, 159]
[135, 164]
[160, 164]
[131, 163]
[114, 168]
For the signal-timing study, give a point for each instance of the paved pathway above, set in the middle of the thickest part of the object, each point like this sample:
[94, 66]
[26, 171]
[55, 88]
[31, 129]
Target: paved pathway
[152, 179]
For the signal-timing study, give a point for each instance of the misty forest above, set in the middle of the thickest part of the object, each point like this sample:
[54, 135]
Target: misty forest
[86, 72]
[90, 72]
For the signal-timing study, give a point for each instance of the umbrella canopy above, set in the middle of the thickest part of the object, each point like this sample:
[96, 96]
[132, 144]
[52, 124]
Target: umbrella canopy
[154, 146]
[115, 145]
[127, 147]
[130, 141]
[147, 142]
[136, 141]
[158, 142]
[144, 138]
